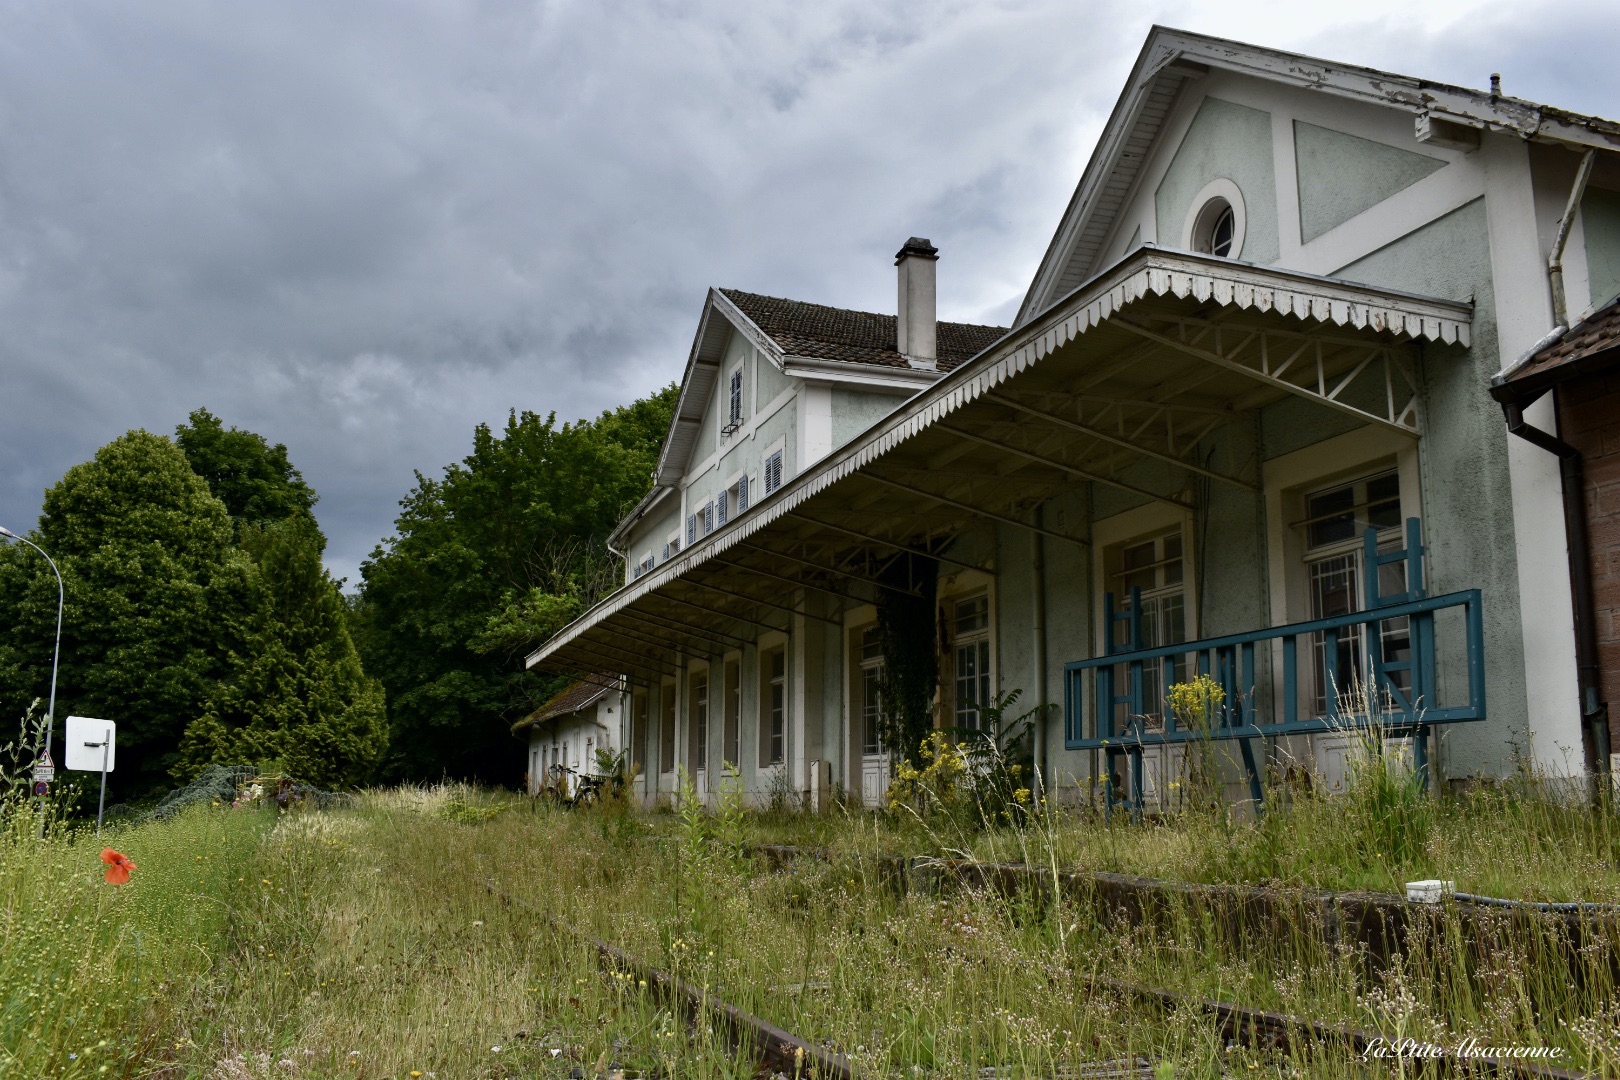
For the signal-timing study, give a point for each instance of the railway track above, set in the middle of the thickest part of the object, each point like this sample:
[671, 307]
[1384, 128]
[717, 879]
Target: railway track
[779, 1052]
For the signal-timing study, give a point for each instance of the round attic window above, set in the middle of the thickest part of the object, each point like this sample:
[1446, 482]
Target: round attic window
[1217, 238]
[1215, 225]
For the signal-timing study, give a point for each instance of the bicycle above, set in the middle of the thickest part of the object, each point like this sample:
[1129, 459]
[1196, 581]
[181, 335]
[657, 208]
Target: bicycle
[588, 788]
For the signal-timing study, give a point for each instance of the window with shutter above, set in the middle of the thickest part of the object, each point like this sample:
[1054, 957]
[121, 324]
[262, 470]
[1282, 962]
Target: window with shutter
[708, 518]
[720, 506]
[773, 472]
[742, 493]
[666, 553]
[691, 530]
[736, 396]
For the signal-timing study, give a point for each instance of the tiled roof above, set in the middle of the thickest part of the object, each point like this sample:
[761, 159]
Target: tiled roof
[856, 337]
[574, 697]
[1598, 333]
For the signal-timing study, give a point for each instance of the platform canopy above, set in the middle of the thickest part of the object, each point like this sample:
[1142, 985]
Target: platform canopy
[1121, 383]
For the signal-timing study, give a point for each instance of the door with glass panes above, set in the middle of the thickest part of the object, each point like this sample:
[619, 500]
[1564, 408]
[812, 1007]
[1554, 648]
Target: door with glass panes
[1336, 519]
[697, 714]
[1155, 566]
[868, 688]
[970, 660]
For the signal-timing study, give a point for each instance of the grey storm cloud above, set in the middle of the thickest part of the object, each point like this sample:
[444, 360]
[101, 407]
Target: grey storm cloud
[362, 228]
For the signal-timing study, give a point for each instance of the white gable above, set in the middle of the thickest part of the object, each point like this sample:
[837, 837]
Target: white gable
[1178, 70]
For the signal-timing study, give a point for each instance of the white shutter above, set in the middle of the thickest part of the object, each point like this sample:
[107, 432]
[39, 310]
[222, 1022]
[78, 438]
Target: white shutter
[742, 493]
[720, 506]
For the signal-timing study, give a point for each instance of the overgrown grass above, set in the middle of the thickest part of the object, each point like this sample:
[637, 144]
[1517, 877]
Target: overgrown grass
[1520, 838]
[94, 976]
[363, 942]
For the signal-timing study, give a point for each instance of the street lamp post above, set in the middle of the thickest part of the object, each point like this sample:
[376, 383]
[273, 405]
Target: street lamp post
[61, 595]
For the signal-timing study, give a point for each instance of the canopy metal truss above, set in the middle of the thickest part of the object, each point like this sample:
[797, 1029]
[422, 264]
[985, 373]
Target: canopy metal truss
[1133, 382]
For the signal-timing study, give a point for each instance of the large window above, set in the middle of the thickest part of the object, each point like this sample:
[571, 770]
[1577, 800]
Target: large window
[1335, 520]
[730, 738]
[666, 730]
[638, 728]
[699, 716]
[1155, 566]
[773, 710]
[970, 636]
[870, 658]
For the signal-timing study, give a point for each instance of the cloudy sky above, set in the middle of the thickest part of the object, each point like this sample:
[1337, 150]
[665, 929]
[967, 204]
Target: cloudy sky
[362, 228]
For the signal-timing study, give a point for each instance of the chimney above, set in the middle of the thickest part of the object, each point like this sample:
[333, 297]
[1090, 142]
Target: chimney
[917, 329]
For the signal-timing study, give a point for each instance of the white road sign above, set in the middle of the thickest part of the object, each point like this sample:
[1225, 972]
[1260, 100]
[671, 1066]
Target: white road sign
[86, 737]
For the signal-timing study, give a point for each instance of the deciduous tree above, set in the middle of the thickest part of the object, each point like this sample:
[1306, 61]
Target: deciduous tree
[150, 571]
[486, 562]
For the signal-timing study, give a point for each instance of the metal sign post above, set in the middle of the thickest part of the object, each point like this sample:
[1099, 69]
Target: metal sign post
[85, 736]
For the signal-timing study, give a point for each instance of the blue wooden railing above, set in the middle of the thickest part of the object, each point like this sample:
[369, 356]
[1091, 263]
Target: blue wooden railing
[1403, 690]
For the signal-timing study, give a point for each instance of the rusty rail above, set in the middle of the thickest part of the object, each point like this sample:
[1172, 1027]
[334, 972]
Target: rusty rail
[1380, 925]
[1256, 1027]
[770, 1046]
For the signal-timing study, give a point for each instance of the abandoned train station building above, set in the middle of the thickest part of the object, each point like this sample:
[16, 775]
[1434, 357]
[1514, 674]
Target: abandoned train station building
[1286, 403]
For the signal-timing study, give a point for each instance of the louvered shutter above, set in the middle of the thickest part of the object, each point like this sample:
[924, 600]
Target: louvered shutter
[742, 493]
[773, 472]
[720, 507]
[666, 553]
[708, 518]
[691, 530]
[736, 396]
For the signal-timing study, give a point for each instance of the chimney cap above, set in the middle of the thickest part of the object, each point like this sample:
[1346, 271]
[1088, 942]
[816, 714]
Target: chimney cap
[917, 247]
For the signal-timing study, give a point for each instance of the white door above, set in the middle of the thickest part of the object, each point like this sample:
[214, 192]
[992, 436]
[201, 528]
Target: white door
[874, 758]
[874, 779]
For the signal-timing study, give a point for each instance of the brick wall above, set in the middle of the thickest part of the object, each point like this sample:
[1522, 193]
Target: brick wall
[1589, 420]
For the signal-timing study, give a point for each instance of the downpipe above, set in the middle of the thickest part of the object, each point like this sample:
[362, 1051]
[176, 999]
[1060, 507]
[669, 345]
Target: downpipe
[1555, 259]
[1594, 710]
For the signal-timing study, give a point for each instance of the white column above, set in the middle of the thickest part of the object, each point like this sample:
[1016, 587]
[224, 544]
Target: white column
[1523, 303]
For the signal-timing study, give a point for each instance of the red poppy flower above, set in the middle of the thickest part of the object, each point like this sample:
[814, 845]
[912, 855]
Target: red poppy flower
[118, 866]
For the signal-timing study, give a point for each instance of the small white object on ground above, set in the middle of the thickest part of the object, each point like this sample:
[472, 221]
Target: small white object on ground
[1429, 891]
